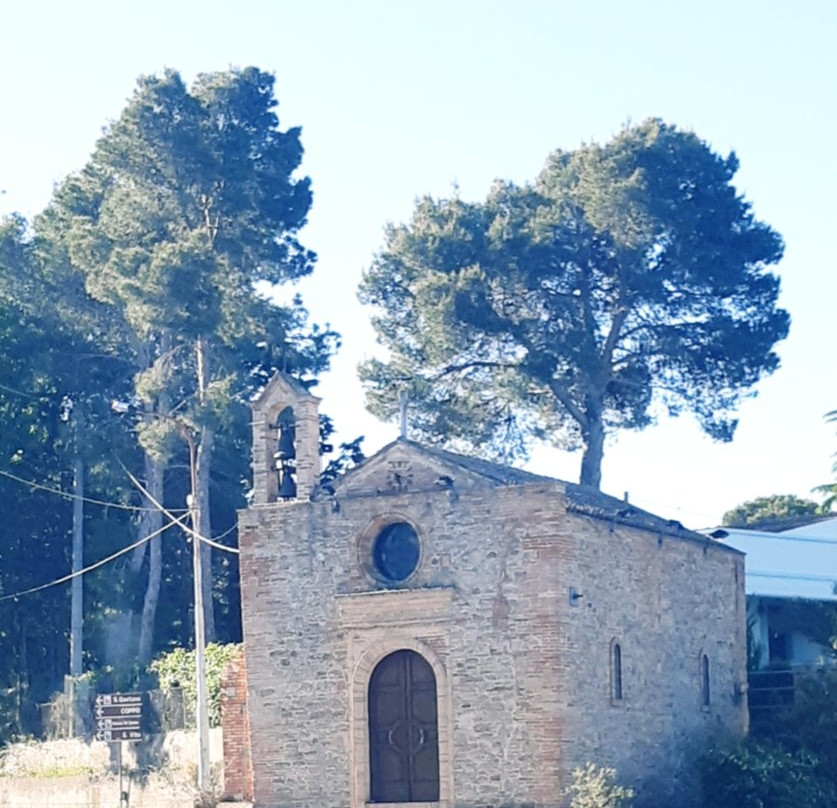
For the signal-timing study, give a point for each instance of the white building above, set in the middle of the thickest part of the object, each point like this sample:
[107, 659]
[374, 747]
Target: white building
[791, 586]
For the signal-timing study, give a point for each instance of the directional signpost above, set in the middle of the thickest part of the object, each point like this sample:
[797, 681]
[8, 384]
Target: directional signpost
[119, 718]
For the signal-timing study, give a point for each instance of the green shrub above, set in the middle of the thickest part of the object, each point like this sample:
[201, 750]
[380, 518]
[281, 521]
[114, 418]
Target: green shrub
[176, 669]
[595, 787]
[810, 722]
[749, 775]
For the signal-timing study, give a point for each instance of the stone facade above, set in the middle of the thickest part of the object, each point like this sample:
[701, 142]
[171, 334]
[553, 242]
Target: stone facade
[562, 626]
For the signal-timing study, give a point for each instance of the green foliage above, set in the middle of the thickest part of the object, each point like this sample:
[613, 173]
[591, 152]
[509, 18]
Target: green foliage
[137, 285]
[49, 365]
[792, 757]
[187, 202]
[189, 205]
[176, 670]
[810, 722]
[777, 511]
[596, 787]
[628, 277]
[350, 454]
[750, 775]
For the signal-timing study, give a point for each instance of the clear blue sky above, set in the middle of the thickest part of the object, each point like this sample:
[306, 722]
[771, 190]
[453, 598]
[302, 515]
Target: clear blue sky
[401, 98]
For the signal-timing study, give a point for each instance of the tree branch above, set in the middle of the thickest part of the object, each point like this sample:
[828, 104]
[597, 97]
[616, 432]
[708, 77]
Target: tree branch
[566, 401]
[474, 363]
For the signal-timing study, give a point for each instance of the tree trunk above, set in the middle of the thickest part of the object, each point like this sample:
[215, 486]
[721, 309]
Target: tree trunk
[204, 526]
[203, 463]
[151, 521]
[591, 461]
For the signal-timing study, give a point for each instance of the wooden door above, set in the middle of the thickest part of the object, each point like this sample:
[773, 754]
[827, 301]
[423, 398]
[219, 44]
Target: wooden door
[403, 730]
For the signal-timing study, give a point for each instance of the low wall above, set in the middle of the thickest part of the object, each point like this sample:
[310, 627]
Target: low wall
[91, 791]
[157, 773]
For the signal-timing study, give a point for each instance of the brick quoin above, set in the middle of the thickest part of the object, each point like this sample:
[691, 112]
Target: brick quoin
[238, 770]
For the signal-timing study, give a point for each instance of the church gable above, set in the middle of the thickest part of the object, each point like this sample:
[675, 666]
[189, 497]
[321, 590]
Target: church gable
[405, 467]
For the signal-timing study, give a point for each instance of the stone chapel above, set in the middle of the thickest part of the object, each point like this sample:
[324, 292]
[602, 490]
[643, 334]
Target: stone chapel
[438, 630]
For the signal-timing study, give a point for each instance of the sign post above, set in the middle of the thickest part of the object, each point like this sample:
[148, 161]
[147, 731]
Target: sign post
[118, 719]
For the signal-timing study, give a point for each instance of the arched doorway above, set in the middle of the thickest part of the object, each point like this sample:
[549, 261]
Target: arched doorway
[403, 730]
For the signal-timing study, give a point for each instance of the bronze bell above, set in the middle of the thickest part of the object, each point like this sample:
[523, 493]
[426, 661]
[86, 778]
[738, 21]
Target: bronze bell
[287, 489]
[286, 449]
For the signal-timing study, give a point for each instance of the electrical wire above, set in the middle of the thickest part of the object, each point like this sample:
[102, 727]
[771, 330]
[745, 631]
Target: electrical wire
[744, 533]
[68, 495]
[651, 505]
[188, 529]
[97, 564]
[792, 576]
[175, 521]
[226, 532]
[217, 546]
[18, 392]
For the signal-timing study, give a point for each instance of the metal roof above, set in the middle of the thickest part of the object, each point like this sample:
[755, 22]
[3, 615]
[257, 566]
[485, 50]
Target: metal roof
[796, 563]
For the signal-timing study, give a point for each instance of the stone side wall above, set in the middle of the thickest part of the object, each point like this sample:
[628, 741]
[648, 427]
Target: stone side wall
[666, 601]
[523, 674]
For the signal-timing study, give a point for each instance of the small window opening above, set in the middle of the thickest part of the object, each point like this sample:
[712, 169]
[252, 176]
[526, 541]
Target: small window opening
[704, 681]
[616, 671]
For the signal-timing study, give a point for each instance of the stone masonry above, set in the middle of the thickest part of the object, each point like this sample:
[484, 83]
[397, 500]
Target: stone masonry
[523, 589]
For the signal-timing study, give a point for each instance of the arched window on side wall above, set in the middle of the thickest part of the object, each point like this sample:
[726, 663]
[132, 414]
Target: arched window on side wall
[704, 681]
[403, 730]
[616, 670]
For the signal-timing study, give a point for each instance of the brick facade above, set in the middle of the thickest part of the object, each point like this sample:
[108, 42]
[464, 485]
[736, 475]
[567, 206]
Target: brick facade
[523, 587]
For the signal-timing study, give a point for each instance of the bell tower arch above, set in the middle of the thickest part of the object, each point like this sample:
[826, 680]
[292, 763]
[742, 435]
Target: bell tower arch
[286, 441]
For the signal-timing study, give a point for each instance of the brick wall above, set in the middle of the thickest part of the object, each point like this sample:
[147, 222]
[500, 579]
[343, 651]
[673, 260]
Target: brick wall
[238, 770]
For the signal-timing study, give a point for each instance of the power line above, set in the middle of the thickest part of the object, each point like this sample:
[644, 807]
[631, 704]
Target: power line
[18, 392]
[226, 532]
[792, 576]
[744, 533]
[67, 495]
[96, 565]
[175, 521]
[643, 502]
[217, 546]
[188, 529]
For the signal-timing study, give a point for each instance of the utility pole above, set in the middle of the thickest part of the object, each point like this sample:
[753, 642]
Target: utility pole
[202, 711]
[202, 707]
[72, 685]
[77, 588]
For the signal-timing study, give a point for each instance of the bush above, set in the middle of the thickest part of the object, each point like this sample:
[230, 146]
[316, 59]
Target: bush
[176, 669]
[595, 787]
[750, 775]
[809, 722]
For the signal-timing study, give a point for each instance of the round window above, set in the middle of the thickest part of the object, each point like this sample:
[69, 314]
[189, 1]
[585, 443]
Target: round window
[395, 553]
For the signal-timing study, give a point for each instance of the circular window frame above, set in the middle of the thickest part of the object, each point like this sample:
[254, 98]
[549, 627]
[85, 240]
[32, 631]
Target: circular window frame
[366, 550]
